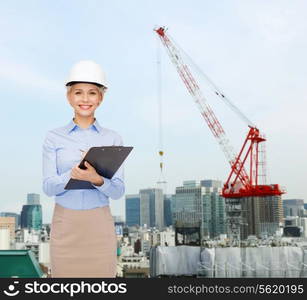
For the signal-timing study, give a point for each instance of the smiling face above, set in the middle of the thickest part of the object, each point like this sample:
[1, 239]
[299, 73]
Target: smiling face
[84, 98]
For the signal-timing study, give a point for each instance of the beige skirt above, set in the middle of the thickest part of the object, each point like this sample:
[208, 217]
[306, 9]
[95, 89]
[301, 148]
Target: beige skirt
[83, 243]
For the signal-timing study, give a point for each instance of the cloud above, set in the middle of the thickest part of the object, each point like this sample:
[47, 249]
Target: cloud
[277, 21]
[25, 76]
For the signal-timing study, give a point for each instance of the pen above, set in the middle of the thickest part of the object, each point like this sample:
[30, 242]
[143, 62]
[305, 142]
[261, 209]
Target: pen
[82, 153]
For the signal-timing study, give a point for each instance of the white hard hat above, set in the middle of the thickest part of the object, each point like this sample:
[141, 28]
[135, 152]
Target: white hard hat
[86, 71]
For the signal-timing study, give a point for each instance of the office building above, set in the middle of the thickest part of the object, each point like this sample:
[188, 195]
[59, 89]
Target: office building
[8, 223]
[293, 207]
[14, 215]
[31, 214]
[33, 199]
[132, 206]
[200, 203]
[152, 208]
[167, 210]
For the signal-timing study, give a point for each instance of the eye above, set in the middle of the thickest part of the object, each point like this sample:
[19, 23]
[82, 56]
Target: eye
[77, 93]
[93, 93]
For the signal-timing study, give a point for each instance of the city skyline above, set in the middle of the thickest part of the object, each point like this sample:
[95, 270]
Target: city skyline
[34, 198]
[253, 51]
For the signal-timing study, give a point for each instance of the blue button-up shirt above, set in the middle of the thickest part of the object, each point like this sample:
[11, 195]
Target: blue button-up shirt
[62, 151]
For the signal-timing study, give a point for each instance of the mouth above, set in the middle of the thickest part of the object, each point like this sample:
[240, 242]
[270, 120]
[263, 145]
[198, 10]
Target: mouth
[85, 107]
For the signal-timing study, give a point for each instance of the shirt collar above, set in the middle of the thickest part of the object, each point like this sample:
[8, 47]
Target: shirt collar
[72, 125]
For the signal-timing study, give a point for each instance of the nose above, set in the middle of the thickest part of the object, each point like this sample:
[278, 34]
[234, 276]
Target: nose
[85, 98]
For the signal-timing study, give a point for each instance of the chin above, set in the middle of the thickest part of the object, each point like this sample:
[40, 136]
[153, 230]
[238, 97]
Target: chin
[84, 113]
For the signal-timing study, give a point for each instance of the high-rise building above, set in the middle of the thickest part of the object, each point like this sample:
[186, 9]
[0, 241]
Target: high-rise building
[218, 214]
[33, 199]
[187, 203]
[9, 223]
[31, 214]
[261, 216]
[200, 202]
[214, 184]
[10, 214]
[293, 207]
[152, 208]
[216, 205]
[132, 203]
[167, 210]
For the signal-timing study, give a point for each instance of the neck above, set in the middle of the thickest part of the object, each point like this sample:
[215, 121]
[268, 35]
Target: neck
[84, 122]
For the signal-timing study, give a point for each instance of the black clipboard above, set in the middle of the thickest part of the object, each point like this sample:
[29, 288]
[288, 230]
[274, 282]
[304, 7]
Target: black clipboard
[106, 160]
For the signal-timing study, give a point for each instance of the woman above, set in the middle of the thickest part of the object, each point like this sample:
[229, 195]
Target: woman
[82, 239]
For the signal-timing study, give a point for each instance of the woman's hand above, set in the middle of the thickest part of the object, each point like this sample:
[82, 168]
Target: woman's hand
[89, 174]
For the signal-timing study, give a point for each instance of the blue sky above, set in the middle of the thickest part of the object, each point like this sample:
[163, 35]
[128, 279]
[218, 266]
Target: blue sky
[253, 50]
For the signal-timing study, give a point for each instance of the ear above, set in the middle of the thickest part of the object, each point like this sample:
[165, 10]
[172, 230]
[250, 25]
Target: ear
[68, 98]
[101, 98]
[68, 95]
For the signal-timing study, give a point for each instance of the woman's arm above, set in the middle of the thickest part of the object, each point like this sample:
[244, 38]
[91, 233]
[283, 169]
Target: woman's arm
[53, 183]
[115, 187]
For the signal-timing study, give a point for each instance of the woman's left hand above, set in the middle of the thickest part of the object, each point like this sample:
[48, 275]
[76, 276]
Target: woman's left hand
[89, 174]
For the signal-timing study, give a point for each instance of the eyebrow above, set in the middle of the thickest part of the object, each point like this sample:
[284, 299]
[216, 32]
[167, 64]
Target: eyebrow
[89, 89]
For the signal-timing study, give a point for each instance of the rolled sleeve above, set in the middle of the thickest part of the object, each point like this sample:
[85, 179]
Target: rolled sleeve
[113, 188]
[53, 183]
[104, 186]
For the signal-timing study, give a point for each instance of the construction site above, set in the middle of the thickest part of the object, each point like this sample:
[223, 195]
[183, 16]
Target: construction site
[252, 205]
[254, 209]
[229, 262]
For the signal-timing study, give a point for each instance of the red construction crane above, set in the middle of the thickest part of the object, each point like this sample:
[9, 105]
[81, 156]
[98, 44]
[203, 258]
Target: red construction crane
[240, 183]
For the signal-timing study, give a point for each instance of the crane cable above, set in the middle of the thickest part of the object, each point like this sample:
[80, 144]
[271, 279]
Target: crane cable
[213, 87]
[159, 96]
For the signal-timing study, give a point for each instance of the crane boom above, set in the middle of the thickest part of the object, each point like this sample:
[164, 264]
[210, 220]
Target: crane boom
[239, 182]
[193, 88]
